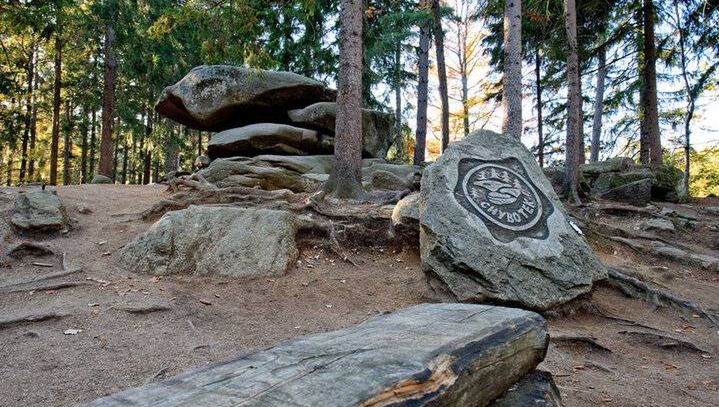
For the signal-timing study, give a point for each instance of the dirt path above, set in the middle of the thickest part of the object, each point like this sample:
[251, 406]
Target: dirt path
[183, 322]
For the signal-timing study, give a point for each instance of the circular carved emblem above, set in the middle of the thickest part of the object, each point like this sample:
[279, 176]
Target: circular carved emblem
[502, 196]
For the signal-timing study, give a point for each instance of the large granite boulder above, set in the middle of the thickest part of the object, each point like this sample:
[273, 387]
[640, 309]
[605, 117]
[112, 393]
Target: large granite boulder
[5, 231]
[610, 180]
[376, 126]
[39, 210]
[615, 164]
[458, 355]
[267, 138]
[492, 228]
[234, 242]
[220, 97]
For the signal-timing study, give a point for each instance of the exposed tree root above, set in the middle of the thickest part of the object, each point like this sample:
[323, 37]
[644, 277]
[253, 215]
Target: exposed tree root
[13, 321]
[638, 289]
[14, 286]
[578, 339]
[663, 341]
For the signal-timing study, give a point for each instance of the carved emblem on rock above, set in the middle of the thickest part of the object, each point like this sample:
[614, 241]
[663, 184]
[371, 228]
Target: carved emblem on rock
[501, 194]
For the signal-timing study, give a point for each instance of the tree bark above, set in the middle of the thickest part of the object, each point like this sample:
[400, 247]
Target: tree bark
[441, 70]
[599, 105]
[540, 125]
[399, 145]
[652, 152]
[422, 84]
[55, 138]
[67, 145]
[28, 115]
[346, 176]
[690, 102]
[512, 82]
[170, 151]
[33, 129]
[108, 103]
[83, 147]
[573, 104]
[93, 140]
[147, 153]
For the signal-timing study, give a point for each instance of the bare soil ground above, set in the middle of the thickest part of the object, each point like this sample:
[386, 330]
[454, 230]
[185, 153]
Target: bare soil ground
[189, 321]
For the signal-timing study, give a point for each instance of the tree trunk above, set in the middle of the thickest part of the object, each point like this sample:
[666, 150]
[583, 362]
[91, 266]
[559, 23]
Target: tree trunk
[599, 105]
[28, 115]
[652, 153]
[83, 147]
[147, 153]
[125, 158]
[573, 103]
[170, 151]
[55, 138]
[399, 147]
[93, 140]
[33, 130]
[108, 103]
[346, 176]
[422, 84]
[690, 103]
[67, 145]
[512, 82]
[441, 70]
[540, 125]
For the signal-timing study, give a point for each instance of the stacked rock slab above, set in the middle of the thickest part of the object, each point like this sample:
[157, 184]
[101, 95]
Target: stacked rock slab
[458, 355]
[264, 112]
[493, 230]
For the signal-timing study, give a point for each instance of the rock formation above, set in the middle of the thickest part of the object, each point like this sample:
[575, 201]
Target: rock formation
[493, 230]
[234, 242]
[39, 210]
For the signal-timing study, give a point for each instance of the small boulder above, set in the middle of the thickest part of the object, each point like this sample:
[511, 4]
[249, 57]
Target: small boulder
[405, 217]
[39, 210]
[227, 241]
[220, 97]
[637, 193]
[202, 161]
[668, 183]
[537, 389]
[387, 181]
[265, 138]
[101, 179]
[658, 225]
[610, 180]
[376, 126]
[493, 229]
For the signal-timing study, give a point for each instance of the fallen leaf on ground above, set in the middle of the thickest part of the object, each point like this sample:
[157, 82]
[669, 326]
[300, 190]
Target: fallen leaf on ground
[205, 302]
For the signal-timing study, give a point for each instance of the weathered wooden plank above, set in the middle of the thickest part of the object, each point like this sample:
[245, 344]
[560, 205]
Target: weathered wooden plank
[430, 354]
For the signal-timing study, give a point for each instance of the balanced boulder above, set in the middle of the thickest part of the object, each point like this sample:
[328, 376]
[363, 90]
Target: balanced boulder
[492, 228]
[220, 97]
[458, 355]
[376, 125]
[264, 138]
[227, 241]
[39, 210]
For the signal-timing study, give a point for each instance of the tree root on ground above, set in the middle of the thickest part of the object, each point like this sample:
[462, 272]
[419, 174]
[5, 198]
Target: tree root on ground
[663, 341]
[13, 321]
[636, 288]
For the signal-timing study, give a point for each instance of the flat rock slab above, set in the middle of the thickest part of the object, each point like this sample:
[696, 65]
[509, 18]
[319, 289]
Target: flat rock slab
[493, 230]
[431, 354]
[266, 138]
[220, 97]
[227, 241]
[39, 210]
